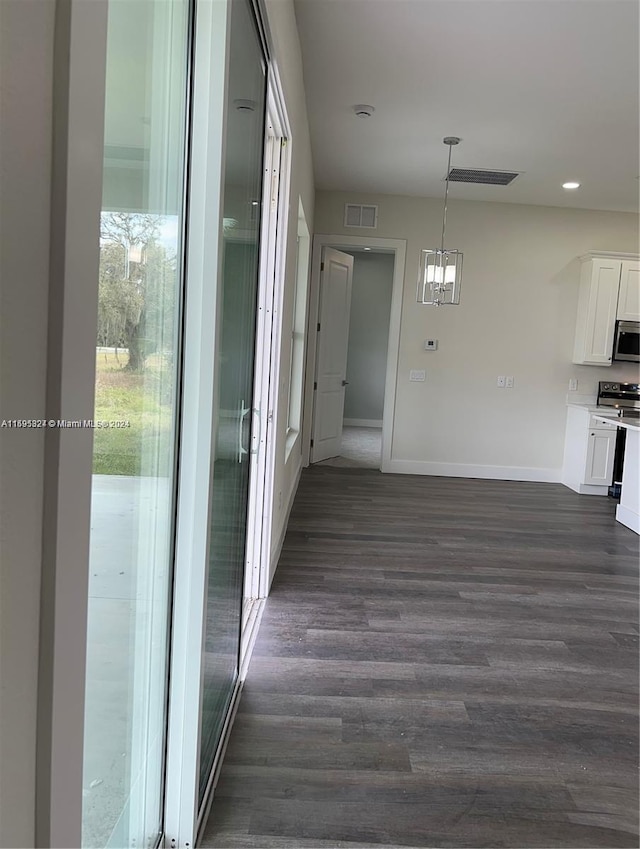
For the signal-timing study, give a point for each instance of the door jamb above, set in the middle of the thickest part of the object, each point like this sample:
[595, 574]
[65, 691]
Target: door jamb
[399, 248]
[273, 245]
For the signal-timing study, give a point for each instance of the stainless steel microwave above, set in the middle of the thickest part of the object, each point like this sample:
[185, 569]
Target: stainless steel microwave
[626, 345]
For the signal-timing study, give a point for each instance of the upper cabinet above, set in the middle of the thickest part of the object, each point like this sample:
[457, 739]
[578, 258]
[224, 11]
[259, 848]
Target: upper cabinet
[629, 297]
[609, 290]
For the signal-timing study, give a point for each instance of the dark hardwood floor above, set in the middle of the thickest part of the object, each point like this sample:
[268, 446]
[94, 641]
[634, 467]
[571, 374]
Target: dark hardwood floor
[442, 663]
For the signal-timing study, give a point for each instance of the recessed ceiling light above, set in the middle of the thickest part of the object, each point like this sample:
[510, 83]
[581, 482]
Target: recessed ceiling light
[571, 185]
[367, 249]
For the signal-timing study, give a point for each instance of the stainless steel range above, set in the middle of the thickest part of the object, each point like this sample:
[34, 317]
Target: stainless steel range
[624, 397]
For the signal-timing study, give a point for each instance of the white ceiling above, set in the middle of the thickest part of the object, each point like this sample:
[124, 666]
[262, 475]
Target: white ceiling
[549, 88]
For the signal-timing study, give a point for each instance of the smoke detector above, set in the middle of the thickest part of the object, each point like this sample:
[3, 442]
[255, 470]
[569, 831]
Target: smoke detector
[362, 110]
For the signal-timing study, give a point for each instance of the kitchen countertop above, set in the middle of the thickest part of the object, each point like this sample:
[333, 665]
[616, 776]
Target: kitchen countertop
[584, 405]
[627, 424]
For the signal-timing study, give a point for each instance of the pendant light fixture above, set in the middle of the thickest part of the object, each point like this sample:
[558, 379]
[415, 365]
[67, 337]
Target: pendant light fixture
[440, 269]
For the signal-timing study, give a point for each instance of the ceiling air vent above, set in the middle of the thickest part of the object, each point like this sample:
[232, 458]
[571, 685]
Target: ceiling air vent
[486, 178]
[360, 215]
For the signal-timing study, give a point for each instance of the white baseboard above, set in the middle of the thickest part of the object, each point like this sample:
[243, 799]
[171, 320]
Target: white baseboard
[463, 470]
[628, 517]
[276, 551]
[585, 488]
[362, 422]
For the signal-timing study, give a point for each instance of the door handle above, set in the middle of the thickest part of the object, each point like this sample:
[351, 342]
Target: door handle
[345, 382]
[243, 414]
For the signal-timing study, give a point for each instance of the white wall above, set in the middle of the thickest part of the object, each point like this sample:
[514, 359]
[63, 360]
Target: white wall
[282, 24]
[368, 335]
[25, 162]
[516, 317]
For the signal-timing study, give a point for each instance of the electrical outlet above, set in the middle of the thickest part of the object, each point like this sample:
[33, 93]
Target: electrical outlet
[509, 382]
[417, 375]
[573, 384]
[501, 381]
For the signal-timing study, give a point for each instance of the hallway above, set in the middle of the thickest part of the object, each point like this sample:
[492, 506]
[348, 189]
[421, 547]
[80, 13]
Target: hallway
[442, 663]
[361, 449]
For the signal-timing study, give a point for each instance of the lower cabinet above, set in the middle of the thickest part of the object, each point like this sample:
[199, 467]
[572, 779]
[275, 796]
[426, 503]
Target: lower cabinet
[601, 446]
[589, 450]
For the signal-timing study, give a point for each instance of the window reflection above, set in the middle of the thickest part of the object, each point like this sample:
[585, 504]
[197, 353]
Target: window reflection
[137, 358]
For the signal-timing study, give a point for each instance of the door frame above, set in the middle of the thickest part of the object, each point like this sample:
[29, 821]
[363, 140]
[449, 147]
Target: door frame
[332, 340]
[183, 820]
[399, 248]
[204, 262]
[273, 247]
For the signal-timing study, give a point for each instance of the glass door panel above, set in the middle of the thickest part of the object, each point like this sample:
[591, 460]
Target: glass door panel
[235, 350]
[137, 356]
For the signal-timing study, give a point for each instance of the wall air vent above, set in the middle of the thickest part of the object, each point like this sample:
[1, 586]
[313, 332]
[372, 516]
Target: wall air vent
[485, 178]
[360, 215]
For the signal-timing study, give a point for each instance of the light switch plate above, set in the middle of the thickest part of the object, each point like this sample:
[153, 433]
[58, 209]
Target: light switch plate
[431, 344]
[417, 375]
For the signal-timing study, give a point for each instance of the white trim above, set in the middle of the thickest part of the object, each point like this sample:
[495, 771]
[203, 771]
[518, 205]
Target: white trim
[399, 247]
[277, 550]
[463, 470]
[273, 247]
[628, 517]
[587, 488]
[589, 255]
[298, 346]
[282, 231]
[291, 440]
[261, 435]
[78, 134]
[194, 484]
[362, 423]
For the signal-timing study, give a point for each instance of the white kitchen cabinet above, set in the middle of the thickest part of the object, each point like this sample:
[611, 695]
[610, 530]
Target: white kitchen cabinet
[629, 297]
[601, 446]
[609, 289]
[589, 450]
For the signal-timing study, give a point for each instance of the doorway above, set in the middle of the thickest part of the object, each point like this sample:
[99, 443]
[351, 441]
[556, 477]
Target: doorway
[362, 430]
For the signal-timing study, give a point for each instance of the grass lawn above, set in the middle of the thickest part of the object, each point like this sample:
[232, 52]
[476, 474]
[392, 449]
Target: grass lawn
[145, 446]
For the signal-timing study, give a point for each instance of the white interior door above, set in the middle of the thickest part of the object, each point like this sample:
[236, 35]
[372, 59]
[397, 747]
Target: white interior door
[331, 361]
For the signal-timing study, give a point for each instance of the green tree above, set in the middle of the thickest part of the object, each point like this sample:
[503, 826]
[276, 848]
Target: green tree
[136, 303]
[119, 302]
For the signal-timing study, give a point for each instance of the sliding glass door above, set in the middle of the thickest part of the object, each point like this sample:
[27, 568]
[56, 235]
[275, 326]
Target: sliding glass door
[140, 392]
[234, 418]
[136, 416]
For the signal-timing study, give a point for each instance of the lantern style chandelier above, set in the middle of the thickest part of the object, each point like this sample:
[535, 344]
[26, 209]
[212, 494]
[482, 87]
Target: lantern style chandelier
[440, 269]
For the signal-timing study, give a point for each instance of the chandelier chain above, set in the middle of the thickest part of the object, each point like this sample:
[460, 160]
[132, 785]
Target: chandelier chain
[446, 195]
